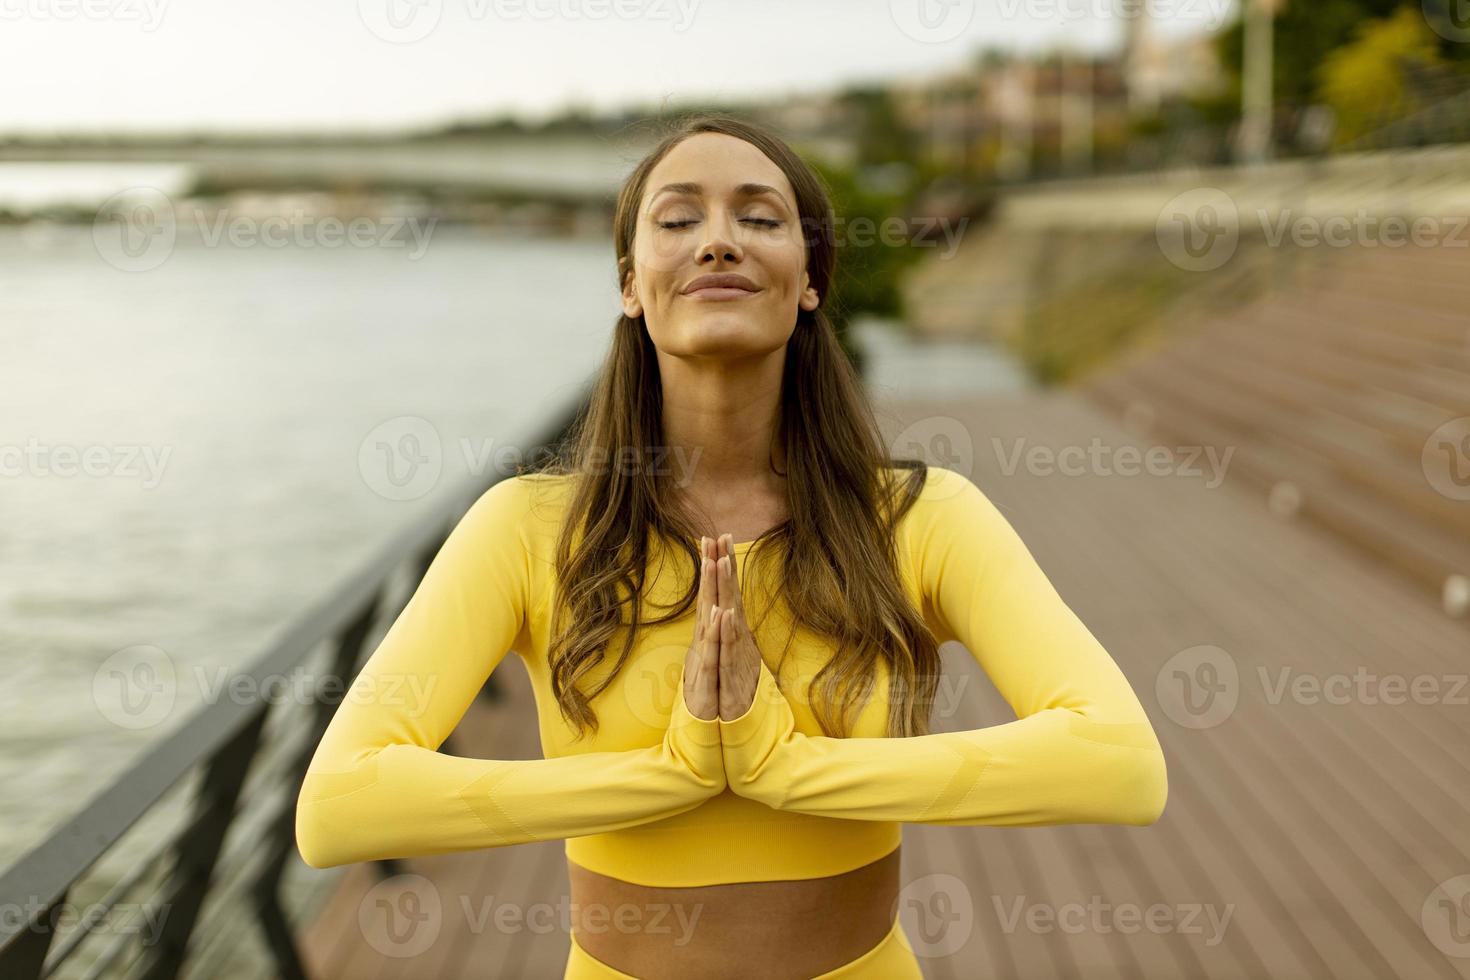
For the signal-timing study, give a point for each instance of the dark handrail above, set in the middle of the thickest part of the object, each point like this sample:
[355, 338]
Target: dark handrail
[223, 738]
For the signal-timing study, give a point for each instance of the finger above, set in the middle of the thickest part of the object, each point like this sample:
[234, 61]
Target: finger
[711, 549]
[737, 600]
[727, 654]
[707, 586]
[723, 576]
[711, 644]
[709, 654]
[703, 692]
[712, 659]
[729, 660]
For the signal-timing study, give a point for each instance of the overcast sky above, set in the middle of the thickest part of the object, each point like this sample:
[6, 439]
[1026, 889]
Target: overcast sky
[74, 65]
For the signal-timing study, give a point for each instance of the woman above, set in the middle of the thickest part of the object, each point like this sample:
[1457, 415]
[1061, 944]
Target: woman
[741, 745]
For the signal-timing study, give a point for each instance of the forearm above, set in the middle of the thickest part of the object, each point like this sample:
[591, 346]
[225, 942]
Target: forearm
[404, 800]
[1055, 766]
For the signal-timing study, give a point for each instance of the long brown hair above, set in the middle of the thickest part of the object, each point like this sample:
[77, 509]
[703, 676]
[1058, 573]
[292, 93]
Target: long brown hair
[838, 576]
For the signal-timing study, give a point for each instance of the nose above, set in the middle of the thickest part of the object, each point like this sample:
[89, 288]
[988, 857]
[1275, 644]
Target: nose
[720, 246]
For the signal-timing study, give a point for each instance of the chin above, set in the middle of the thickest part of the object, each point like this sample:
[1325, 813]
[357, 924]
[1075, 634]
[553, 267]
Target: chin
[729, 333]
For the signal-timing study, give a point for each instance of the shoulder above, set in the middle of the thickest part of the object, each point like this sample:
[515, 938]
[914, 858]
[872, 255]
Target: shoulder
[942, 493]
[951, 510]
[511, 530]
[531, 503]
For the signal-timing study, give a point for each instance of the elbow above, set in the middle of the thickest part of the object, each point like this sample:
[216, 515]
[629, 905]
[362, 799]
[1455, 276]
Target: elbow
[330, 831]
[326, 834]
[312, 858]
[312, 839]
[1128, 761]
[1144, 789]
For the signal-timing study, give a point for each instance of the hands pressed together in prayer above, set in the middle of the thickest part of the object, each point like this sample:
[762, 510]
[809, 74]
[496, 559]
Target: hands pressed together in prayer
[722, 667]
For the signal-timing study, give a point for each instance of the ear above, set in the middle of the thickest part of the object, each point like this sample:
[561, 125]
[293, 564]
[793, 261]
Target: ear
[632, 305]
[809, 298]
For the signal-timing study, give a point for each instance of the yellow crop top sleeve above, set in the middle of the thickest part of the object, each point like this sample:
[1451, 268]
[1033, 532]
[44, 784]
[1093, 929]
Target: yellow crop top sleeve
[1081, 749]
[377, 787]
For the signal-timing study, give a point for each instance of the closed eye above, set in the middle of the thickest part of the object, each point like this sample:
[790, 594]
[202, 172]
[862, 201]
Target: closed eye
[765, 222]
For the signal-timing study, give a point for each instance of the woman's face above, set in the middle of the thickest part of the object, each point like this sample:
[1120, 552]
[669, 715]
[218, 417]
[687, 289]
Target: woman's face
[720, 226]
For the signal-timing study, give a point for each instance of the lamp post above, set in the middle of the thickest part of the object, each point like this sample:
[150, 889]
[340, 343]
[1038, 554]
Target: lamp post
[1255, 90]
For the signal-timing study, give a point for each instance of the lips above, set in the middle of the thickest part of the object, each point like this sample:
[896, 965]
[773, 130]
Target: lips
[720, 283]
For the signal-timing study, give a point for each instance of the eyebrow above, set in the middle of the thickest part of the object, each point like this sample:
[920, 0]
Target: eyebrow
[742, 190]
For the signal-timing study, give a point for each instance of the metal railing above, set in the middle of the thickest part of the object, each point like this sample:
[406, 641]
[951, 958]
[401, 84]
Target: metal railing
[249, 757]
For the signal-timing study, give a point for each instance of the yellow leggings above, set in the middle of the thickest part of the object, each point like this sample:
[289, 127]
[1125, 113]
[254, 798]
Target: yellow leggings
[892, 959]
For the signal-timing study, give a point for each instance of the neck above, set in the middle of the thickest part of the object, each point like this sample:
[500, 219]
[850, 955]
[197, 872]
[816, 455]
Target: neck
[720, 420]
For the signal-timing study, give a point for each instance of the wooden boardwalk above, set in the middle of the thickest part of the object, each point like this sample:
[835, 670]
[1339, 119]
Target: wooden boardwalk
[1304, 836]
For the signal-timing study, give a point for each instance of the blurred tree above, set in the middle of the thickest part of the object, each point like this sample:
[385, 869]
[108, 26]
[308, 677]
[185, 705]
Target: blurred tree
[873, 248]
[1306, 33]
[881, 135]
[1381, 75]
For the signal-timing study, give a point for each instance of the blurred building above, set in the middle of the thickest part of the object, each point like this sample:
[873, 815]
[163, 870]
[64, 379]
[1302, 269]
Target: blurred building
[1013, 116]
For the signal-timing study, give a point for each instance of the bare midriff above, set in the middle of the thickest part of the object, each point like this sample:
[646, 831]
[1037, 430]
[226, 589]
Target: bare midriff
[782, 930]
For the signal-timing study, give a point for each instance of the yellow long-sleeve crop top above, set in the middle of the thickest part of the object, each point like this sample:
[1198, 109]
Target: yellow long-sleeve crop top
[659, 797]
